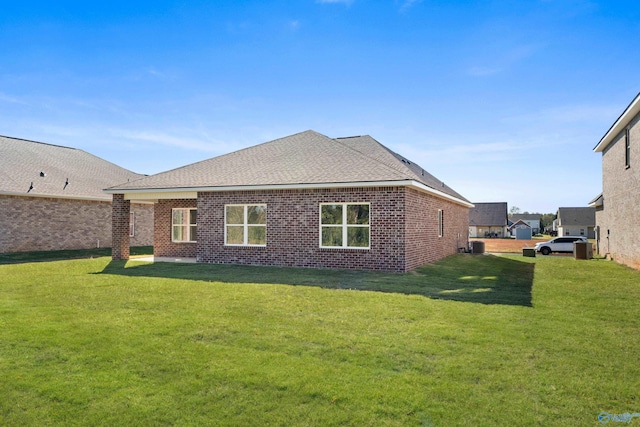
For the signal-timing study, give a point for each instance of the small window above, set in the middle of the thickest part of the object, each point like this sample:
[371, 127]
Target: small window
[440, 223]
[183, 225]
[344, 225]
[627, 148]
[132, 224]
[245, 225]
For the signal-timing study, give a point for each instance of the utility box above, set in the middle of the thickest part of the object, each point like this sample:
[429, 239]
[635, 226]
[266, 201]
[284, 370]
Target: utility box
[477, 247]
[582, 250]
[530, 252]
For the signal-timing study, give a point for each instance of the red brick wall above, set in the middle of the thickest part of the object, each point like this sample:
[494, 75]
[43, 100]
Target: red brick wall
[120, 209]
[422, 241]
[293, 229]
[162, 244]
[403, 229]
[46, 224]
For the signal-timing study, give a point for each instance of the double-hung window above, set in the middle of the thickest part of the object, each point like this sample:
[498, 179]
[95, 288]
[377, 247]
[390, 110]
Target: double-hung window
[344, 225]
[245, 225]
[132, 224]
[183, 225]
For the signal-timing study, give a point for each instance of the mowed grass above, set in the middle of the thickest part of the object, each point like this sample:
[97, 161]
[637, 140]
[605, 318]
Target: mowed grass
[471, 340]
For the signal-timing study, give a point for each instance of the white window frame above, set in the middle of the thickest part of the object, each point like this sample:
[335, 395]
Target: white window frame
[190, 238]
[132, 224]
[245, 225]
[441, 223]
[344, 226]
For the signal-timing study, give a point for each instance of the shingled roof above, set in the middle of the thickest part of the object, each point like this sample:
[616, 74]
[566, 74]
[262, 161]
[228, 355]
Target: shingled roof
[304, 159]
[485, 214]
[29, 168]
[576, 216]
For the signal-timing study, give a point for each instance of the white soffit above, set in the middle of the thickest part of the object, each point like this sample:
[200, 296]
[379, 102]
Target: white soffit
[192, 193]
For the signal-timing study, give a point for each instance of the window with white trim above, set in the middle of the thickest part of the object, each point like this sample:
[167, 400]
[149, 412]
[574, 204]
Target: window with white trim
[184, 225]
[132, 226]
[440, 223]
[245, 225]
[344, 225]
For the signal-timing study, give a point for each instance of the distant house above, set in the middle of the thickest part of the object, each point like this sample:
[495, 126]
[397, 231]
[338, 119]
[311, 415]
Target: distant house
[520, 229]
[533, 220]
[617, 208]
[579, 221]
[52, 198]
[305, 200]
[488, 220]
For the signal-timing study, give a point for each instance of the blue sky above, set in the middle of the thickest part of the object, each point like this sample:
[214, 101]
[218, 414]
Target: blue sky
[502, 100]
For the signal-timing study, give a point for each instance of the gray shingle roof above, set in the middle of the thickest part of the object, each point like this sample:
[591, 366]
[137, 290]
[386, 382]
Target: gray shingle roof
[485, 214]
[304, 158]
[85, 175]
[577, 216]
[525, 217]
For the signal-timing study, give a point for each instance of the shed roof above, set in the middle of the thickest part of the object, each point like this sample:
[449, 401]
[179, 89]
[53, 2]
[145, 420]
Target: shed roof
[36, 169]
[488, 214]
[306, 158]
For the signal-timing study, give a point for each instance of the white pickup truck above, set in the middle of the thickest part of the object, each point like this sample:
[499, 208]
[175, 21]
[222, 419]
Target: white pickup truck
[559, 244]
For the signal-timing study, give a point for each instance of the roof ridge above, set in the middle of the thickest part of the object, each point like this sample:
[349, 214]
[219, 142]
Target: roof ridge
[38, 142]
[223, 155]
[405, 163]
[366, 155]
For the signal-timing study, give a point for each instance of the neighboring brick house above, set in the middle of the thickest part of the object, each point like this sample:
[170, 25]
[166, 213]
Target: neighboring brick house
[617, 212]
[52, 198]
[488, 220]
[305, 200]
[532, 220]
[579, 221]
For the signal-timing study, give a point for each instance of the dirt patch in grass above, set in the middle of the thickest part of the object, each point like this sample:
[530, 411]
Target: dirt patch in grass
[507, 245]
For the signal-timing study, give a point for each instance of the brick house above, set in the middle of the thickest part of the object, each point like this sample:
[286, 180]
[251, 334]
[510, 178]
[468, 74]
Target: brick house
[616, 209]
[488, 220]
[52, 198]
[305, 200]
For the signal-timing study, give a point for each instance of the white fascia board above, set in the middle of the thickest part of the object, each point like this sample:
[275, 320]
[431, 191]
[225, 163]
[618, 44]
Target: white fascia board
[441, 194]
[55, 196]
[617, 127]
[192, 192]
[154, 196]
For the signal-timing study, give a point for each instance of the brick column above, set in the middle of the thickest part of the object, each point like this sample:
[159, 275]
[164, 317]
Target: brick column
[120, 209]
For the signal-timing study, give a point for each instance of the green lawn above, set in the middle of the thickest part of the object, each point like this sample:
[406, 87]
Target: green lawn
[469, 341]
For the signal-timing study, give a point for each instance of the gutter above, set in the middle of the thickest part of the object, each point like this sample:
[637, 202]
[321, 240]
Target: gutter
[192, 191]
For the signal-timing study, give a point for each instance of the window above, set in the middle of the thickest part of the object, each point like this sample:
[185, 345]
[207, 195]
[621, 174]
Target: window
[627, 149]
[440, 223]
[132, 227]
[245, 225]
[183, 225]
[344, 225]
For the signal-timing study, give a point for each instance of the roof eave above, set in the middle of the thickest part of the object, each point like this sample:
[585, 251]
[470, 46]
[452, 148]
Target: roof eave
[132, 193]
[56, 196]
[622, 121]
